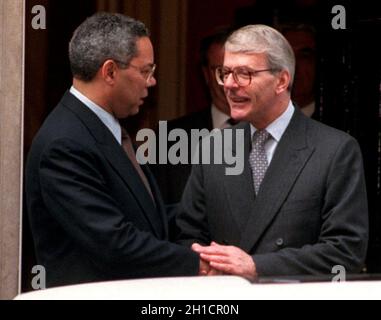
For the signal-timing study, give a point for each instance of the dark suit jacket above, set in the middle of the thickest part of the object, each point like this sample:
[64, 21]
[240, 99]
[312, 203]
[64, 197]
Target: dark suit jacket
[310, 213]
[173, 178]
[91, 216]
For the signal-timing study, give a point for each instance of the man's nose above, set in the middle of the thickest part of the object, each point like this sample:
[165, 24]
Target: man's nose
[152, 82]
[230, 82]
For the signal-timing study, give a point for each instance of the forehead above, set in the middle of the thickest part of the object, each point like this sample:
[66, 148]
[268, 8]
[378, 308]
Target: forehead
[144, 52]
[236, 59]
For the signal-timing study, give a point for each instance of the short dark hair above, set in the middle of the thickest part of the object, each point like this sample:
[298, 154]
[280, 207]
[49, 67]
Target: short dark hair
[218, 37]
[100, 37]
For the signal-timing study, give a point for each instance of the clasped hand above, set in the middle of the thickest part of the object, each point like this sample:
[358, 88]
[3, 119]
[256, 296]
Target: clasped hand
[219, 260]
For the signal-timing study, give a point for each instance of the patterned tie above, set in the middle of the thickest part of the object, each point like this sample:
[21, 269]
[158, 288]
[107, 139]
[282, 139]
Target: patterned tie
[129, 149]
[258, 158]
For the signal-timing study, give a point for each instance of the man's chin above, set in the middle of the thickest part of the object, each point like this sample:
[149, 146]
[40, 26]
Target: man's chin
[132, 112]
[135, 111]
[238, 114]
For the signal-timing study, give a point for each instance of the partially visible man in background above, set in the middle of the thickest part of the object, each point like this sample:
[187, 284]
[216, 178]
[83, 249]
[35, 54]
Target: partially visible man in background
[173, 178]
[302, 38]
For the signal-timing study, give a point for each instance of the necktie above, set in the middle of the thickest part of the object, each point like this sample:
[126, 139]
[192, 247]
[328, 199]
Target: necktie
[228, 123]
[129, 149]
[258, 158]
[232, 122]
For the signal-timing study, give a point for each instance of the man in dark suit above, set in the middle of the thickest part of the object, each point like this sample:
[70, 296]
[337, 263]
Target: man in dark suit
[173, 178]
[300, 205]
[95, 213]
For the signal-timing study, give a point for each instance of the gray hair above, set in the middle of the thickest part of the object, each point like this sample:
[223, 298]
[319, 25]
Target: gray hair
[264, 39]
[101, 37]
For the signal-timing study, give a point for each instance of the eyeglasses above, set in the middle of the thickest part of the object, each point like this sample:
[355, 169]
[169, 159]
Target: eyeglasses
[241, 75]
[146, 72]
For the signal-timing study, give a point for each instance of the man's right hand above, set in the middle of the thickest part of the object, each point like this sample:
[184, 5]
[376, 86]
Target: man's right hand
[204, 268]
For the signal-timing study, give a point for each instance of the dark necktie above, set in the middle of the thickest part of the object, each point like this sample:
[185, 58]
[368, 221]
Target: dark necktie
[258, 158]
[231, 122]
[129, 149]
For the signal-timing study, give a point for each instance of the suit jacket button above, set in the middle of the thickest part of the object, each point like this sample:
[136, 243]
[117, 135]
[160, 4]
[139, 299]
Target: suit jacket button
[280, 242]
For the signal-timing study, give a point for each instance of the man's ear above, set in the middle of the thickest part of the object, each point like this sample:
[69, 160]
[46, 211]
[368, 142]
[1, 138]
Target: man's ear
[283, 81]
[108, 71]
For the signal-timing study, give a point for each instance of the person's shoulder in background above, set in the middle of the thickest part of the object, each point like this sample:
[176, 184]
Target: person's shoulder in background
[195, 120]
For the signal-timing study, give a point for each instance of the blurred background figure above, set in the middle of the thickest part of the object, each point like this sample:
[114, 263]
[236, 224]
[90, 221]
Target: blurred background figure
[303, 41]
[212, 56]
[298, 21]
[173, 178]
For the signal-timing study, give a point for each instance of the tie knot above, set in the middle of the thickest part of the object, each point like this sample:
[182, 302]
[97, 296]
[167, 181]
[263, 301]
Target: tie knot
[232, 122]
[260, 137]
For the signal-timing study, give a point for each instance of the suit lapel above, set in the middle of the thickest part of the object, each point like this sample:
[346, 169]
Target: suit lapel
[290, 157]
[158, 200]
[118, 159]
[123, 166]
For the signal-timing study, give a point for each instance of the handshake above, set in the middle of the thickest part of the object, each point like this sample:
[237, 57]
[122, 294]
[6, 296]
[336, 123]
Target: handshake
[225, 260]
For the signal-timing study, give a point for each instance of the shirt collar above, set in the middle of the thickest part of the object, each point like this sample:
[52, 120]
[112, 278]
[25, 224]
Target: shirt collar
[219, 118]
[279, 126]
[107, 119]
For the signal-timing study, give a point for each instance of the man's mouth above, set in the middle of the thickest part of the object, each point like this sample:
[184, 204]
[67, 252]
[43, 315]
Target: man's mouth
[236, 99]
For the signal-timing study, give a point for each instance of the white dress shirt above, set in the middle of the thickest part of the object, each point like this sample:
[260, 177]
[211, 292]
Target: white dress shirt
[276, 129]
[219, 119]
[107, 118]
